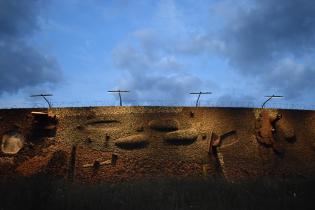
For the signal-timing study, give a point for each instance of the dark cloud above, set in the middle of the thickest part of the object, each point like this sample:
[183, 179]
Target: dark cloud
[21, 65]
[272, 40]
[18, 17]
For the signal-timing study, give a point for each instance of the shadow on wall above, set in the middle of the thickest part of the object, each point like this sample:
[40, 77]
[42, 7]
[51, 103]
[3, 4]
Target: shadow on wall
[43, 125]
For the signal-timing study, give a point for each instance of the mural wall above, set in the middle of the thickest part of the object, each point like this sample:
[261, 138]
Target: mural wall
[129, 143]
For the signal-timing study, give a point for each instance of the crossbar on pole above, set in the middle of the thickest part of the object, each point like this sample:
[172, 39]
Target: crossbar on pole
[44, 97]
[269, 98]
[119, 93]
[199, 94]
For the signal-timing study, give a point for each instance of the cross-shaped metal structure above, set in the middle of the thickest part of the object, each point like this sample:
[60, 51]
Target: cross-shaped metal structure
[44, 97]
[119, 93]
[199, 94]
[269, 98]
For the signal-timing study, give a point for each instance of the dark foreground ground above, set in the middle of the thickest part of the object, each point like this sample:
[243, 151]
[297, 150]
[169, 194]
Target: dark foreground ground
[41, 193]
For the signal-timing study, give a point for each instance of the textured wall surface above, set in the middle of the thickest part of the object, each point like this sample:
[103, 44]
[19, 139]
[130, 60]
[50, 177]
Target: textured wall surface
[147, 152]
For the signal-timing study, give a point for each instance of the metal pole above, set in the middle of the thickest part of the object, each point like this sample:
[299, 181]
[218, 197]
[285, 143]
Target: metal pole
[44, 97]
[198, 99]
[263, 105]
[49, 104]
[119, 94]
[269, 98]
[199, 95]
[120, 98]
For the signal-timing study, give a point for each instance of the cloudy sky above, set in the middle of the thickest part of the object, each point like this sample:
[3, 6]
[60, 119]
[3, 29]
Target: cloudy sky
[159, 50]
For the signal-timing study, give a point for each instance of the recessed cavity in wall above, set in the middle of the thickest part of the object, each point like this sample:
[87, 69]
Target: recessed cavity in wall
[12, 142]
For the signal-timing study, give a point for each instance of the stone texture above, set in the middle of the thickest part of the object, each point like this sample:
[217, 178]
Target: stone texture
[182, 136]
[6, 161]
[164, 125]
[264, 129]
[133, 141]
[278, 148]
[245, 160]
[287, 131]
[57, 164]
[12, 143]
[274, 116]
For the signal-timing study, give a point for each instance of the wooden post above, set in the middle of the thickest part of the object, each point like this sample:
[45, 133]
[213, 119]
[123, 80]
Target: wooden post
[71, 169]
[114, 158]
[210, 143]
[214, 142]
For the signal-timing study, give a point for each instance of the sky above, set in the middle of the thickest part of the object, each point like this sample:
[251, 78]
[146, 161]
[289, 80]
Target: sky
[160, 50]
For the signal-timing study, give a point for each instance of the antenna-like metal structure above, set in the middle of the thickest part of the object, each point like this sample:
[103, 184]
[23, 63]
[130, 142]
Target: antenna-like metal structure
[199, 94]
[269, 98]
[44, 97]
[119, 93]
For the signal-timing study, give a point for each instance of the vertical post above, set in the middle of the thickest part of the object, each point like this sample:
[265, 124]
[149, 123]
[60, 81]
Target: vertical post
[210, 143]
[71, 169]
[198, 99]
[119, 94]
[114, 159]
[120, 99]
[199, 94]
[214, 154]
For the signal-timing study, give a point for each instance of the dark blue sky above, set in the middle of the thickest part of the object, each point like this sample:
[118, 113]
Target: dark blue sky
[160, 50]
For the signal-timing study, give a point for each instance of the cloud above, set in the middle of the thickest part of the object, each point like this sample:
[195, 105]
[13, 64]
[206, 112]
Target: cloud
[153, 78]
[21, 65]
[152, 61]
[272, 40]
[237, 100]
[292, 77]
[267, 42]
[168, 89]
[18, 18]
